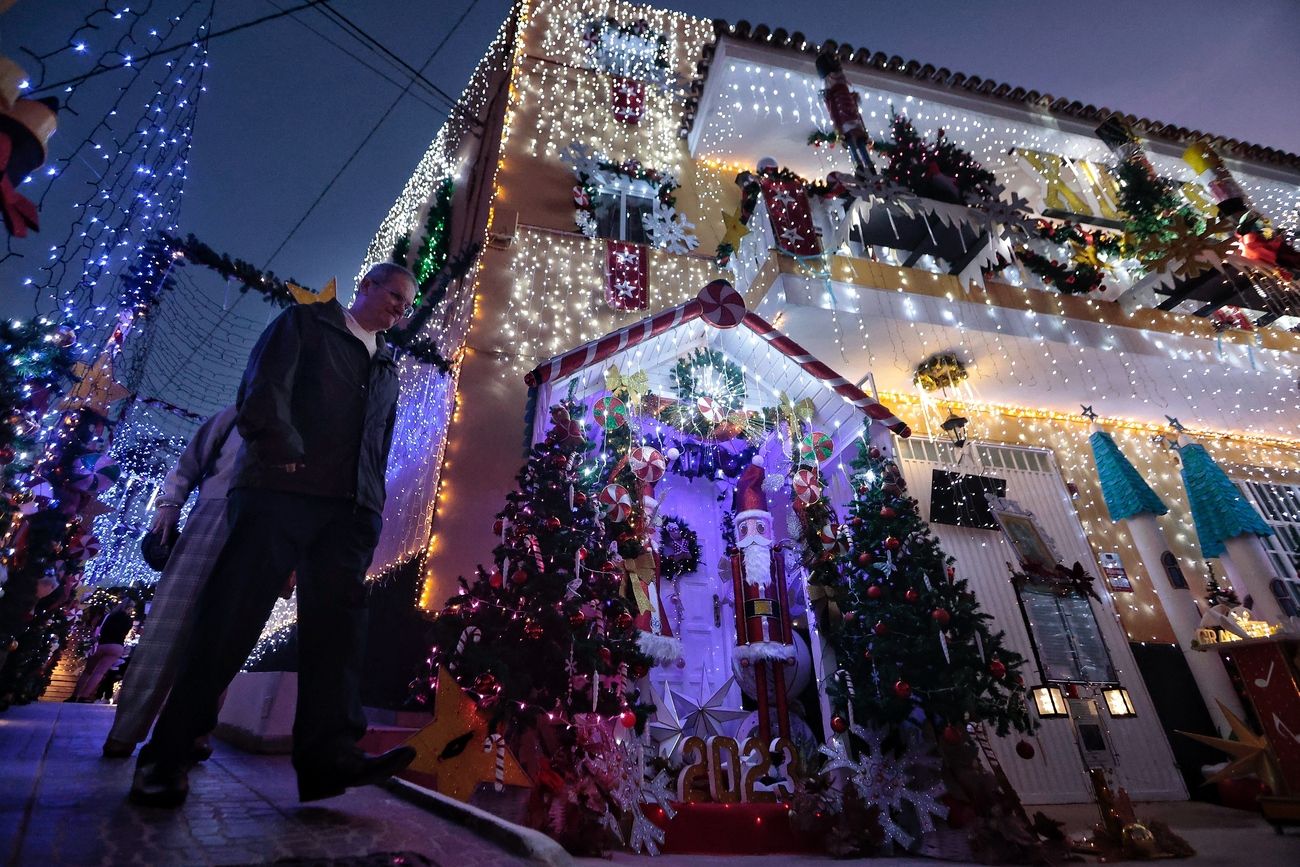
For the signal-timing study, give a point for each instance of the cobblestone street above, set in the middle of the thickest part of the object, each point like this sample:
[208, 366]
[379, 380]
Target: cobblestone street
[62, 803]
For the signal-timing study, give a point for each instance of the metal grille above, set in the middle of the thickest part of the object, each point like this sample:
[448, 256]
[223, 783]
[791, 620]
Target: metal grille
[1280, 506]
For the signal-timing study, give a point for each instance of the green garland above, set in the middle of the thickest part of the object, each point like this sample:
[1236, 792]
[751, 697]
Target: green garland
[727, 388]
[918, 164]
[247, 275]
[432, 255]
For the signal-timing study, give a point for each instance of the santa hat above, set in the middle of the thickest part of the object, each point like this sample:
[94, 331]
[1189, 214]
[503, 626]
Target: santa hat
[750, 496]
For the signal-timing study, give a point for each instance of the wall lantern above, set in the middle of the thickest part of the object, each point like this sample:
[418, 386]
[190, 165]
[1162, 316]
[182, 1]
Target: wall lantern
[1118, 702]
[1049, 701]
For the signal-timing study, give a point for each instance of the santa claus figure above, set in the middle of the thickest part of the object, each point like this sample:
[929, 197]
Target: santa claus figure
[763, 632]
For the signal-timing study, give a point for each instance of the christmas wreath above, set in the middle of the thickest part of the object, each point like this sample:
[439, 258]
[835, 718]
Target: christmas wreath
[710, 384]
[679, 549]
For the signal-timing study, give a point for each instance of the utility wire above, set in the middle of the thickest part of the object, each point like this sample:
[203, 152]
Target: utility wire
[373, 129]
[172, 49]
[330, 12]
[359, 59]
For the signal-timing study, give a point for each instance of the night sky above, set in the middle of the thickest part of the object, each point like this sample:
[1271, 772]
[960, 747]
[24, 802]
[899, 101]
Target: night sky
[285, 108]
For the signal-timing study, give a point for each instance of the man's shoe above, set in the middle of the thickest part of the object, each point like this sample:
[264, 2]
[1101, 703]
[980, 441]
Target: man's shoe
[201, 751]
[115, 749]
[331, 777]
[157, 785]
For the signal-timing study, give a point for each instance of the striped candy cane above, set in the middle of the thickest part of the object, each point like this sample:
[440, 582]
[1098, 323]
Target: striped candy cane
[496, 742]
[470, 634]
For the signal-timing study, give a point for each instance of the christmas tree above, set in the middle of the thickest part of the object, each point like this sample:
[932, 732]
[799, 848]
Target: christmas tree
[938, 169]
[545, 630]
[913, 641]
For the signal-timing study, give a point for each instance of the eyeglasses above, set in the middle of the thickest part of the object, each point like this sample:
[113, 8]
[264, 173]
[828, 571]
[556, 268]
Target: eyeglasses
[398, 295]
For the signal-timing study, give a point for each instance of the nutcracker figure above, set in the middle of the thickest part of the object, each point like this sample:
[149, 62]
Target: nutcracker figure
[846, 116]
[764, 638]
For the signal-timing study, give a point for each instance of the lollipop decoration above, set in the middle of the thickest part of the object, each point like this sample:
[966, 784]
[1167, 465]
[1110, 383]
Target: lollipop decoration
[648, 464]
[610, 413]
[807, 487]
[816, 447]
[616, 501]
[709, 408]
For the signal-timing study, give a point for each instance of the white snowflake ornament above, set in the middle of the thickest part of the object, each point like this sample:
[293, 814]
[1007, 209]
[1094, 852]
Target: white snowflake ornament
[669, 229]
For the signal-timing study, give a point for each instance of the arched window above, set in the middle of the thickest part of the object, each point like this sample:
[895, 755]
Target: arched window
[1175, 574]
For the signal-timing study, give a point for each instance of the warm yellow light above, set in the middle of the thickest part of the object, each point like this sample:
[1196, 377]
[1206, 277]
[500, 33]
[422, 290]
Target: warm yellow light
[1049, 701]
[1118, 702]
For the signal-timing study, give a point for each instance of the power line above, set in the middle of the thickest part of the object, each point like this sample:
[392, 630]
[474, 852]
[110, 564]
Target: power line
[330, 12]
[361, 60]
[373, 129]
[172, 49]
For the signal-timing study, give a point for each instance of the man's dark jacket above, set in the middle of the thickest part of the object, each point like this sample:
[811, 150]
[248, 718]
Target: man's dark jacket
[312, 395]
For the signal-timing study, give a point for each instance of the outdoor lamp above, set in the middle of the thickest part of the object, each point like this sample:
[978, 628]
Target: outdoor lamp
[1049, 701]
[955, 427]
[1118, 702]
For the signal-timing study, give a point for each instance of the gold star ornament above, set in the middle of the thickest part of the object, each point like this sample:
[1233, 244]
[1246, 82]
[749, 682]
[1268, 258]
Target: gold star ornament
[457, 749]
[735, 229]
[1251, 753]
[303, 295]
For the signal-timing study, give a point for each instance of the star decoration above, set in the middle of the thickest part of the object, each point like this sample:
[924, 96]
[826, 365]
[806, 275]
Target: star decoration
[96, 389]
[790, 235]
[665, 726]
[887, 782]
[1087, 411]
[784, 198]
[626, 258]
[736, 229]
[705, 718]
[305, 296]
[451, 747]
[1251, 753]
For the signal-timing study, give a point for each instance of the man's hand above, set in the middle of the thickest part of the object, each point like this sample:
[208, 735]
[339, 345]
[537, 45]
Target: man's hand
[290, 467]
[165, 521]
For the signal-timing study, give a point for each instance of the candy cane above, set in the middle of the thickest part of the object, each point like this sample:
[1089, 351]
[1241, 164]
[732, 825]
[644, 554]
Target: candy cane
[471, 633]
[497, 742]
[848, 686]
[536, 548]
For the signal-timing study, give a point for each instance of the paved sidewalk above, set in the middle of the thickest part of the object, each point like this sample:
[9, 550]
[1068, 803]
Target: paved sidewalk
[62, 803]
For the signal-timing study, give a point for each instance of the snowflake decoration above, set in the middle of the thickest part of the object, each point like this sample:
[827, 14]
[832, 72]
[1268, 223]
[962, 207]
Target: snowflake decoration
[1009, 216]
[631, 790]
[584, 162]
[670, 230]
[586, 223]
[889, 783]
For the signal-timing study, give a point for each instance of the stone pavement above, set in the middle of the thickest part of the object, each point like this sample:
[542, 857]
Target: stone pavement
[62, 803]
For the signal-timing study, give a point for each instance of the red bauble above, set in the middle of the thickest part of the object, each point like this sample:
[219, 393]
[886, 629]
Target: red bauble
[865, 558]
[6, 454]
[839, 724]
[605, 655]
[579, 498]
[485, 683]
[941, 616]
[498, 527]
[850, 616]
[533, 630]
[892, 544]
[951, 734]
[888, 512]
[559, 461]
[519, 576]
[881, 629]
[998, 669]
[875, 591]
[494, 579]
[1025, 750]
[874, 453]
[623, 621]
[553, 523]
[855, 521]
[952, 572]
[582, 553]
[911, 595]
[627, 718]
[902, 689]
[577, 619]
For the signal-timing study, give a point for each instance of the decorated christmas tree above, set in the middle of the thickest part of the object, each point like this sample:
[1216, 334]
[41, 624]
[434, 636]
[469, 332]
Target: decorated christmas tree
[914, 640]
[938, 169]
[541, 653]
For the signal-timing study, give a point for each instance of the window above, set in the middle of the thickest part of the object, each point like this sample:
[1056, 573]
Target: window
[1172, 571]
[619, 212]
[1280, 506]
[1067, 639]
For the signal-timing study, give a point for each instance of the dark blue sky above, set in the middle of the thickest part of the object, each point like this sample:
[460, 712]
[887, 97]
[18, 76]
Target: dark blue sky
[284, 108]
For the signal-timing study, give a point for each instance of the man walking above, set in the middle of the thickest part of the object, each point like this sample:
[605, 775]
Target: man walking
[316, 411]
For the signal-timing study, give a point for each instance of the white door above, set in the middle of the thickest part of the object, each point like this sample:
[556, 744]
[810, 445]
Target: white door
[1144, 763]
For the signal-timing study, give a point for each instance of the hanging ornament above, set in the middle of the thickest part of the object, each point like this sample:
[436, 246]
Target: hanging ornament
[902, 689]
[839, 724]
[875, 591]
[610, 413]
[951, 734]
[648, 464]
[616, 502]
[998, 669]
[816, 447]
[941, 616]
[1025, 749]
[710, 410]
[807, 487]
